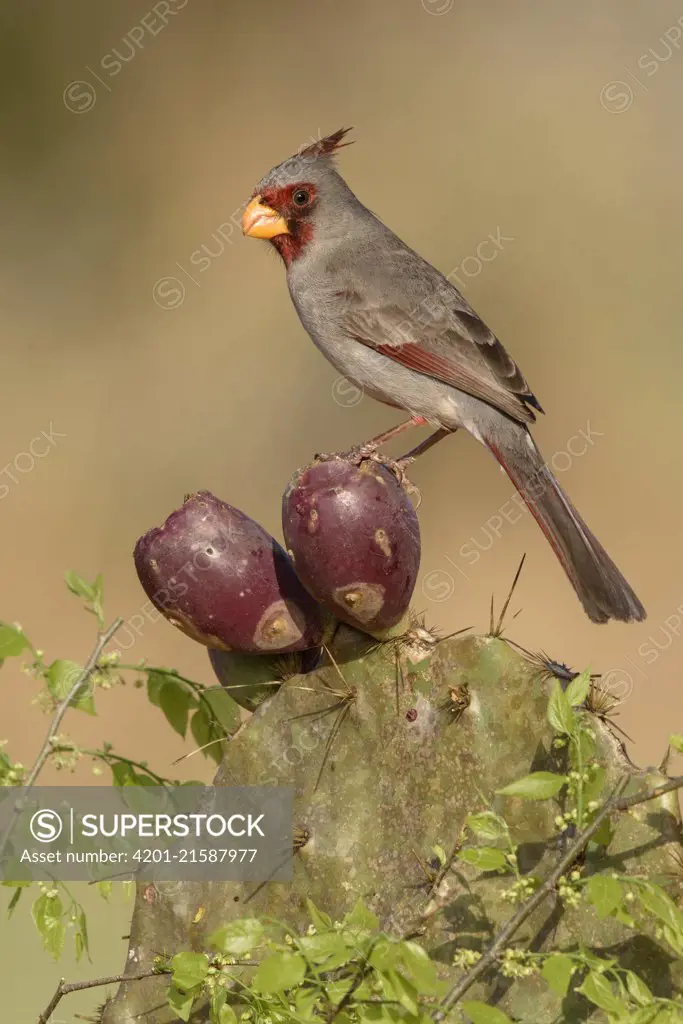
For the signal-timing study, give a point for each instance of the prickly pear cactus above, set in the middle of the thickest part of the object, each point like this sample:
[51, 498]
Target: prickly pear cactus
[421, 733]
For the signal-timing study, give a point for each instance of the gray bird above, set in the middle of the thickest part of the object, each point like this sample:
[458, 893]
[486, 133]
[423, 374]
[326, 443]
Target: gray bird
[397, 328]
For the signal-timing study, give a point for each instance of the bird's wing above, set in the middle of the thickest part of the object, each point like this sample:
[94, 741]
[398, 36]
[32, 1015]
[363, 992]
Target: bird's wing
[442, 337]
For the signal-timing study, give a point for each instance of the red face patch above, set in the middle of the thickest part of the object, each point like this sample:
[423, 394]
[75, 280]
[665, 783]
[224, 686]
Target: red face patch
[294, 203]
[291, 201]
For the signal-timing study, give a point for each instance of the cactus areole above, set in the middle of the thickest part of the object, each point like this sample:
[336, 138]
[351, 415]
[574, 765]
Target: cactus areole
[223, 580]
[354, 537]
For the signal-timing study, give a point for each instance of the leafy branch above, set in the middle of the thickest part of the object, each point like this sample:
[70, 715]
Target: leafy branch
[70, 698]
[527, 909]
[65, 988]
[108, 756]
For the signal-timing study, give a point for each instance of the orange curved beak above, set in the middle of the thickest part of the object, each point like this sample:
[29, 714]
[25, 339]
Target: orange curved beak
[261, 221]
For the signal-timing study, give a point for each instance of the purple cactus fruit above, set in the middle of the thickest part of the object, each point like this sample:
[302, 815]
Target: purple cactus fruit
[220, 578]
[354, 537]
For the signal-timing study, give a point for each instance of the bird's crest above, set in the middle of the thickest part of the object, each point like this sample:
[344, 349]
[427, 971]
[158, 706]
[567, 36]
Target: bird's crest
[327, 146]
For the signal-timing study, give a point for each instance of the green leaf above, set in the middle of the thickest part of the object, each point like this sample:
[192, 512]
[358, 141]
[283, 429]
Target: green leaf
[578, 689]
[598, 990]
[335, 990]
[39, 910]
[219, 996]
[174, 701]
[12, 641]
[674, 938]
[226, 1015]
[656, 901]
[226, 711]
[482, 1013]
[486, 858]
[82, 933]
[594, 787]
[604, 835]
[638, 990]
[189, 970]
[62, 675]
[380, 1014]
[385, 955]
[305, 1000]
[440, 854]
[180, 1002]
[202, 731]
[329, 948]
[624, 918]
[537, 786]
[279, 972]
[16, 896]
[652, 1014]
[676, 741]
[360, 917]
[598, 963]
[397, 987]
[54, 936]
[98, 588]
[487, 825]
[91, 593]
[557, 973]
[144, 780]
[124, 774]
[584, 743]
[238, 937]
[47, 912]
[560, 714]
[155, 682]
[321, 921]
[605, 893]
[420, 966]
[78, 586]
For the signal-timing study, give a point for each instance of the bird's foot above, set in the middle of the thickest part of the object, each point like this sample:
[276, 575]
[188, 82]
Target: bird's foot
[369, 453]
[397, 467]
[359, 453]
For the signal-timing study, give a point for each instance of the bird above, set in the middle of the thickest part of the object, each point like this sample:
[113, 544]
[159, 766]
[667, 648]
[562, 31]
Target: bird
[398, 329]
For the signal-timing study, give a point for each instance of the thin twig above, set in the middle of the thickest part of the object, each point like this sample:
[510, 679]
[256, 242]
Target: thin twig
[63, 989]
[541, 894]
[108, 756]
[651, 794]
[62, 708]
[361, 974]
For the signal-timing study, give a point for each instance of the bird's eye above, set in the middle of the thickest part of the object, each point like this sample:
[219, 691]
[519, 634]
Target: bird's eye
[302, 197]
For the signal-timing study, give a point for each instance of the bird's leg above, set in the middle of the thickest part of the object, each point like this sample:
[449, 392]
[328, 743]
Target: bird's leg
[398, 466]
[424, 446]
[369, 450]
[370, 447]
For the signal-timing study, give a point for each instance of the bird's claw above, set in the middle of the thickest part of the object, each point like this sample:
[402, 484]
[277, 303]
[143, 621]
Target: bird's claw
[369, 453]
[356, 455]
[398, 468]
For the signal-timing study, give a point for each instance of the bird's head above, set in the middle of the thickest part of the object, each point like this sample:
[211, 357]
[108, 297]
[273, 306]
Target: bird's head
[301, 199]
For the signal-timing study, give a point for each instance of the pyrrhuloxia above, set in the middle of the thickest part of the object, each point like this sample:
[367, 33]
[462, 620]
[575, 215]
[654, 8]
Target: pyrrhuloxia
[397, 328]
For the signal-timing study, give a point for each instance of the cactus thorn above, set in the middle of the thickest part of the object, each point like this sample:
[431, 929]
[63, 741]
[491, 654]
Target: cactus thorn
[497, 630]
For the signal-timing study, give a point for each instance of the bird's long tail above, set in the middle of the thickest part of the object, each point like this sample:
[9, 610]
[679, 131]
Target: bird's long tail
[601, 588]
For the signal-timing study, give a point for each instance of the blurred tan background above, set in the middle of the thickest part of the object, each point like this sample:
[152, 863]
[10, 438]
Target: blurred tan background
[131, 137]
